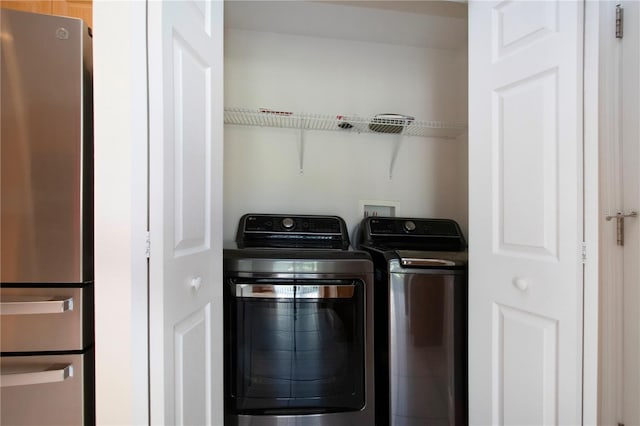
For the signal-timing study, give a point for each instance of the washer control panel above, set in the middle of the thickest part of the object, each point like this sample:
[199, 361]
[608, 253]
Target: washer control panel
[412, 233]
[401, 226]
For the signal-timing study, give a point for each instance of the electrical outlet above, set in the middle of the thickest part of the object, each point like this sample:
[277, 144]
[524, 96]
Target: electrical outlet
[379, 208]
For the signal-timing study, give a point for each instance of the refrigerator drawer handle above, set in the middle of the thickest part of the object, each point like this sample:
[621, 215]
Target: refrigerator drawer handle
[36, 377]
[35, 305]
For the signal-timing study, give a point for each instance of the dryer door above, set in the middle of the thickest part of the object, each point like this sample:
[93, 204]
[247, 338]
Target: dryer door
[296, 346]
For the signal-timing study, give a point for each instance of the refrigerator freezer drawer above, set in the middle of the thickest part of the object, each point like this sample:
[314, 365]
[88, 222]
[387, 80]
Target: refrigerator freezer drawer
[46, 319]
[46, 390]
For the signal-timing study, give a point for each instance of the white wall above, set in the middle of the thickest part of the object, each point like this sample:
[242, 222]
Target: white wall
[331, 76]
[120, 213]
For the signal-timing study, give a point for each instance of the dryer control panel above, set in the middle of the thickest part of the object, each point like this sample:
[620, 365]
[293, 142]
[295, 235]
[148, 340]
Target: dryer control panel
[292, 231]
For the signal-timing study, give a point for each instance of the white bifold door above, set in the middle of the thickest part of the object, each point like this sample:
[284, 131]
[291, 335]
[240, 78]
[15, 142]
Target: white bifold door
[525, 212]
[185, 211]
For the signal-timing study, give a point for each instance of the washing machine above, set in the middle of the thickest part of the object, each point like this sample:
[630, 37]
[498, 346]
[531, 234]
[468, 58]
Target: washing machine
[298, 324]
[420, 323]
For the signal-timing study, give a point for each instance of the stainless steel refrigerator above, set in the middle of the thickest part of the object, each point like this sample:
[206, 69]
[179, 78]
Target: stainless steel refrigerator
[46, 290]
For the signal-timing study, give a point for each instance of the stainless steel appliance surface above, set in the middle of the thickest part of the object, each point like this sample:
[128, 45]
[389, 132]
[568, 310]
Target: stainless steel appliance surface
[46, 271]
[420, 322]
[298, 324]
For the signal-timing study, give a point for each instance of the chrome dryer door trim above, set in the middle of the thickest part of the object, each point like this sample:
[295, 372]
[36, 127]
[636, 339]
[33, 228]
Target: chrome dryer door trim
[293, 291]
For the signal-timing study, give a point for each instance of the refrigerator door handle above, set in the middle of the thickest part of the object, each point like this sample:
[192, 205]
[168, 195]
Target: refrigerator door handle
[36, 377]
[35, 305]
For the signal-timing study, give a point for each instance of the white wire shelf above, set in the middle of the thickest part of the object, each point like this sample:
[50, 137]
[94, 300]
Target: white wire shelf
[342, 123]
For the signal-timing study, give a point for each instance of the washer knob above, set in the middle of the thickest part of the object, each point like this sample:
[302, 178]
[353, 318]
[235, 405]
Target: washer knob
[409, 226]
[288, 223]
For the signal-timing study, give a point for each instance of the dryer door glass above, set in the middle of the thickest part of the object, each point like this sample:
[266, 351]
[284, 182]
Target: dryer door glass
[296, 346]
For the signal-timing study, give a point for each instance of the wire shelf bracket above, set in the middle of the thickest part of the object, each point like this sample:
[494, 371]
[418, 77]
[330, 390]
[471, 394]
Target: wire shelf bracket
[301, 151]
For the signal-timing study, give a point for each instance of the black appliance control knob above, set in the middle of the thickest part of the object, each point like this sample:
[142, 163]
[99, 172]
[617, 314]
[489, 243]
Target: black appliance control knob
[288, 223]
[409, 226]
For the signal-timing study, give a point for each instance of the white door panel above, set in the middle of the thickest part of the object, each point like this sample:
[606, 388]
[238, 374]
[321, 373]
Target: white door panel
[525, 159]
[525, 121]
[518, 25]
[185, 105]
[526, 347]
[193, 365]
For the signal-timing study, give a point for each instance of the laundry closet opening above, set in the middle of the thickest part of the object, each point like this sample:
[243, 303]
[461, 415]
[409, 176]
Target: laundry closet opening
[293, 67]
